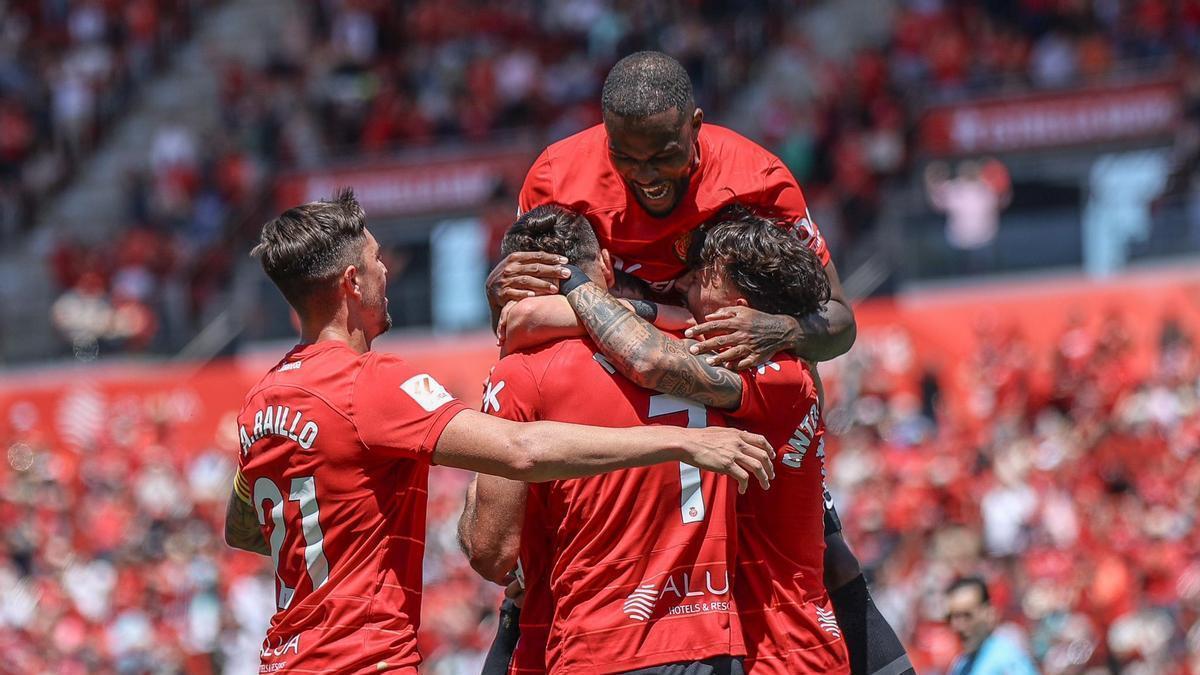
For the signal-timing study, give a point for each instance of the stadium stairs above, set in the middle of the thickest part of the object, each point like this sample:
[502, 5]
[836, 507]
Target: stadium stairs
[92, 207]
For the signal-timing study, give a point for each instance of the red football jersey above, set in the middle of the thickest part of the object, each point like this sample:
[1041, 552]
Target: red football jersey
[638, 569]
[576, 172]
[336, 448]
[780, 591]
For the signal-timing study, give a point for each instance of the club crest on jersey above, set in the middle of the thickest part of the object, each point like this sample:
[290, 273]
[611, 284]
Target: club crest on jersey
[682, 245]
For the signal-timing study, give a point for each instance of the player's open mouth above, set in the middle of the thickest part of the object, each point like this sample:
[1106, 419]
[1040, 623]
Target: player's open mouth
[656, 191]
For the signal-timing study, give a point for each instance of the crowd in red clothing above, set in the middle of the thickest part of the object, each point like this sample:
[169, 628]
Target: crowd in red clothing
[1067, 479]
[69, 69]
[354, 79]
[1071, 486]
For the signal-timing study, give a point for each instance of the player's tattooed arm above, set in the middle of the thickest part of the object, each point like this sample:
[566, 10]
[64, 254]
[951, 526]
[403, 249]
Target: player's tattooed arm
[241, 523]
[649, 357]
[536, 321]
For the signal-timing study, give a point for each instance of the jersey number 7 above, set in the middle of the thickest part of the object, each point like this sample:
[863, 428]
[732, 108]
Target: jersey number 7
[691, 499]
[303, 490]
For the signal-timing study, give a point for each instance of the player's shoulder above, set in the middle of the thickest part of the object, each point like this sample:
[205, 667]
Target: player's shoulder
[538, 360]
[579, 172]
[729, 146]
[319, 366]
[591, 139]
[737, 168]
[323, 372]
[783, 368]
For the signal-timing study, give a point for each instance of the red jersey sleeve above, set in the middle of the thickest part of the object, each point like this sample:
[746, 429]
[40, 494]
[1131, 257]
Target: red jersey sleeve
[511, 391]
[539, 184]
[400, 411]
[782, 196]
[770, 394]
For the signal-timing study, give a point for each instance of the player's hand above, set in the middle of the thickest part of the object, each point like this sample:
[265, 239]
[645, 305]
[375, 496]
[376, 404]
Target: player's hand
[735, 453]
[502, 325]
[524, 275]
[740, 338]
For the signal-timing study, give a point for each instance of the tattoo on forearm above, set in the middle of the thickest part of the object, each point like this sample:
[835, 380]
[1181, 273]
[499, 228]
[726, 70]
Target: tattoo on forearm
[646, 310]
[242, 529]
[649, 357]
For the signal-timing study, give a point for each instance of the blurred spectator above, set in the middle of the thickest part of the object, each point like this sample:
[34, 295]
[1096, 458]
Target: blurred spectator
[972, 201]
[67, 70]
[986, 651]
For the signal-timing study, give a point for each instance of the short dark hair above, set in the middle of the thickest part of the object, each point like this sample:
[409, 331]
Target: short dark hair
[765, 261]
[308, 246]
[976, 582]
[645, 84]
[551, 228]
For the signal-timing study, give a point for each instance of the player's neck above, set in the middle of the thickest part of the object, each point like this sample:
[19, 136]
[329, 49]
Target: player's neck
[356, 339]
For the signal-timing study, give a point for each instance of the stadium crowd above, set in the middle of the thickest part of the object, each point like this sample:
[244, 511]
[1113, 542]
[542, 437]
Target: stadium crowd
[69, 69]
[352, 80]
[1069, 485]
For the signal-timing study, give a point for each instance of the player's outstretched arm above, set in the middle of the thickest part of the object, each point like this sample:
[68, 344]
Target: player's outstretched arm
[543, 451]
[539, 320]
[648, 356]
[241, 522]
[741, 337]
[489, 530]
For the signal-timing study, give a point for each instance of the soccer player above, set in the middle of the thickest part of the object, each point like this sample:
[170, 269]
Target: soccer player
[646, 179]
[746, 260]
[336, 443]
[625, 572]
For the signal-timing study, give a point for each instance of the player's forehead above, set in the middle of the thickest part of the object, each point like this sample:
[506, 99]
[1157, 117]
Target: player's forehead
[651, 135]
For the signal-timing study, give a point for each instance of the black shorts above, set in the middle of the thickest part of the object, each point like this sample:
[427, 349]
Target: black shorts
[833, 524]
[717, 665]
[500, 655]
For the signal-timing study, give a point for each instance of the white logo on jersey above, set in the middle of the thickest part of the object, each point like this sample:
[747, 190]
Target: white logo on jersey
[829, 622]
[640, 603]
[426, 392]
[769, 364]
[490, 402]
[802, 438]
[807, 232]
[605, 363]
[619, 265]
[294, 365]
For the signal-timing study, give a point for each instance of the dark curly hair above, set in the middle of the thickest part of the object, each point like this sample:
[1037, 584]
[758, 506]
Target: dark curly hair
[552, 228]
[764, 260]
[645, 84]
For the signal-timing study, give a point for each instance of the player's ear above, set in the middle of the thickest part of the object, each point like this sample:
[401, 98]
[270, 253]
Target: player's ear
[741, 302]
[607, 268]
[697, 120]
[350, 282]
